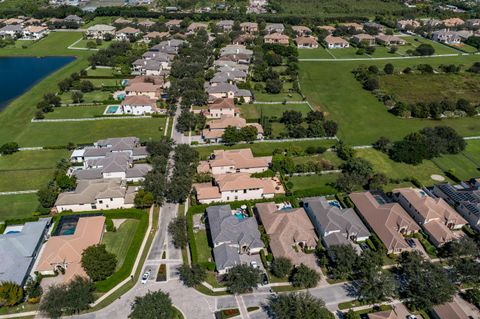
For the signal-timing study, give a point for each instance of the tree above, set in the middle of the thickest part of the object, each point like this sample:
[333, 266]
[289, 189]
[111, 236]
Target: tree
[463, 247]
[186, 121]
[371, 84]
[153, 305]
[10, 294]
[315, 129]
[342, 260]
[242, 278]
[304, 277]
[315, 116]
[273, 86]
[33, 290]
[9, 148]
[352, 315]
[389, 68]
[178, 230]
[301, 305]
[143, 199]
[472, 296]
[281, 267]
[383, 144]
[66, 182]
[231, 136]
[47, 195]
[248, 133]
[77, 97]
[192, 276]
[98, 263]
[86, 86]
[376, 287]
[53, 301]
[154, 183]
[91, 45]
[377, 181]
[344, 151]
[424, 49]
[330, 128]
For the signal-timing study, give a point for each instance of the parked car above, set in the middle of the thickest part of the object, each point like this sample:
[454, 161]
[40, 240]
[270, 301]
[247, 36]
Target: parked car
[364, 246]
[145, 276]
[411, 243]
[264, 279]
[254, 264]
[411, 317]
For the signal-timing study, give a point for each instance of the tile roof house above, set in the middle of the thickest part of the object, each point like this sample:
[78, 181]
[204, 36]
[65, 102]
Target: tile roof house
[276, 38]
[228, 91]
[453, 22]
[301, 30]
[65, 251]
[173, 23]
[446, 36]
[155, 35]
[73, 18]
[408, 24]
[216, 128]
[19, 250]
[34, 32]
[364, 38]
[465, 201]
[249, 27]
[336, 226]
[354, 25]
[389, 40]
[275, 28]
[234, 161]
[373, 25]
[388, 220]
[126, 33]
[232, 236]
[221, 108]
[330, 29]
[226, 25]
[449, 310]
[97, 194]
[122, 21]
[434, 215]
[237, 186]
[168, 46]
[235, 49]
[336, 42]
[151, 90]
[196, 26]
[472, 23]
[11, 30]
[243, 39]
[306, 42]
[231, 77]
[99, 31]
[139, 105]
[387, 314]
[101, 148]
[287, 228]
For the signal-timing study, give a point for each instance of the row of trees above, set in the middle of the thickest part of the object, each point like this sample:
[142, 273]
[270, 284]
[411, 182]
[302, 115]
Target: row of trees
[47, 195]
[316, 125]
[117, 54]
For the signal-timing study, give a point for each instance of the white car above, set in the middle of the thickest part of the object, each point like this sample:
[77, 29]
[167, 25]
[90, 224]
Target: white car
[145, 276]
[254, 264]
[411, 317]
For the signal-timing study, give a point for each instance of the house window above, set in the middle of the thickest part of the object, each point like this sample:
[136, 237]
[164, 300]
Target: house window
[244, 191]
[94, 206]
[111, 199]
[100, 201]
[236, 197]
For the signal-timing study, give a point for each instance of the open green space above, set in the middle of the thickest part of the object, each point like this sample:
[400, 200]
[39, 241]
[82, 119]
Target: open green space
[318, 184]
[459, 165]
[415, 41]
[17, 206]
[329, 156]
[255, 111]
[32, 159]
[22, 180]
[472, 151]
[265, 148]
[98, 83]
[361, 117]
[284, 95]
[432, 87]
[106, 72]
[74, 112]
[83, 44]
[318, 53]
[203, 249]
[99, 20]
[119, 241]
[96, 96]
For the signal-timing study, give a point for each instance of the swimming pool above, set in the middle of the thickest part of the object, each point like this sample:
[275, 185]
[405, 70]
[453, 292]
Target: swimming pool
[334, 203]
[112, 109]
[239, 215]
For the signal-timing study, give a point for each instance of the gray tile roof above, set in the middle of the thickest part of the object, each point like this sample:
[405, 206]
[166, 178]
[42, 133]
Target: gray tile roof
[18, 251]
[87, 191]
[12, 28]
[226, 256]
[138, 170]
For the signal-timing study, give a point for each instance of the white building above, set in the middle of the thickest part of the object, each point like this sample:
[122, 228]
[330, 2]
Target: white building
[99, 31]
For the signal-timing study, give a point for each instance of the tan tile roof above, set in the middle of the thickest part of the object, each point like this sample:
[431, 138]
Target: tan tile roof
[450, 310]
[388, 314]
[327, 27]
[225, 122]
[128, 30]
[68, 248]
[222, 104]
[155, 79]
[206, 191]
[143, 87]
[285, 228]
[237, 181]
[35, 29]
[306, 40]
[239, 158]
[140, 100]
[385, 219]
[333, 40]
[174, 22]
[354, 25]
[276, 36]
[156, 34]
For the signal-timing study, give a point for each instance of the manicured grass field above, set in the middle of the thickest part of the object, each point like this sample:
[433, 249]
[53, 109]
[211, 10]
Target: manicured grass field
[361, 117]
[432, 87]
[98, 83]
[265, 148]
[329, 156]
[118, 242]
[462, 166]
[473, 151]
[285, 95]
[21, 180]
[47, 134]
[203, 249]
[394, 170]
[440, 48]
[100, 72]
[74, 112]
[17, 206]
[32, 159]
[95, 96]
[321, 184]
[99, 20]
[255, 111]
[83, 44]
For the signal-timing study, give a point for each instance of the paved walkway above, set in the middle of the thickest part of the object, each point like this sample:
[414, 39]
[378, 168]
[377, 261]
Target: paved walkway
[31, 191]
[276, 141]
[93, 119]
[383, 58]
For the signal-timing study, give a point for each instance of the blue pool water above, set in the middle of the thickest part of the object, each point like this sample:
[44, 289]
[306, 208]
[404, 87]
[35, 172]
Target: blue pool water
[18, 74]
[13, 232]
[334, 203]
[112, 109]
[239, 216]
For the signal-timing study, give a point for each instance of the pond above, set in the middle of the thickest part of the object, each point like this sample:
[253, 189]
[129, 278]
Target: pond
[18, 74]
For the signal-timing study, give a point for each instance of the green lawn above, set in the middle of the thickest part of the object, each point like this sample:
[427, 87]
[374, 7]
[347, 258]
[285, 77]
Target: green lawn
[98, 83]
[17, 206]
[462, 166]
[203, 249]
[264, 149]
[473, 151]
[106, 72]
[255, 111]
[415, 41]
[99, 20]
[361, 117]
[21, 180]
[329, 156]
[74, 112]
[96, 96]
[118, 242]
[320, 184]
[318, 53]
[83, 44]
[285, 95]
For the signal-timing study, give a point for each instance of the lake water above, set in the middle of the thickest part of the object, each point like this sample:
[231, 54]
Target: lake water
[18, 74]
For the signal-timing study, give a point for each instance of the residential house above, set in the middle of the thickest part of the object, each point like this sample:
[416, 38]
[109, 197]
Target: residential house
[376, 26]
[228, 91]
[301, 30]
[216, 128]
[232, 235]
[13, 21]
[408, 24]
[31, 21]
[336, 225]
[237, 186]
[389, 40]
[276, 38]
[472, 23]
[446, 36]
[356, 26]
[228, 77]
[432, 23]
[97, 194]
[173, 24]
[151, 90]
[387, 314]
[34, 32]
[127, 33]
[169, 46]
[388, 220]
[64, 252]
[289, 230]
[306, 42]
[465, 200]
[449, 310]
[235, 49]
[102, 148]
[226, 25]
[73, 18]
[434, 215]
[147, 38]
[221, 108]
[146, 23]
[122, 21]
[243, 39]
[139, 105]
[330, 29]
[11, 31]
[453, 22]
[249, 27]
[19, 248]
[336, 42]
[153, 66]
[238, 58]
[275, 28]
[196, 26]
[364, 39]
[100, 31]
[234, 161]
